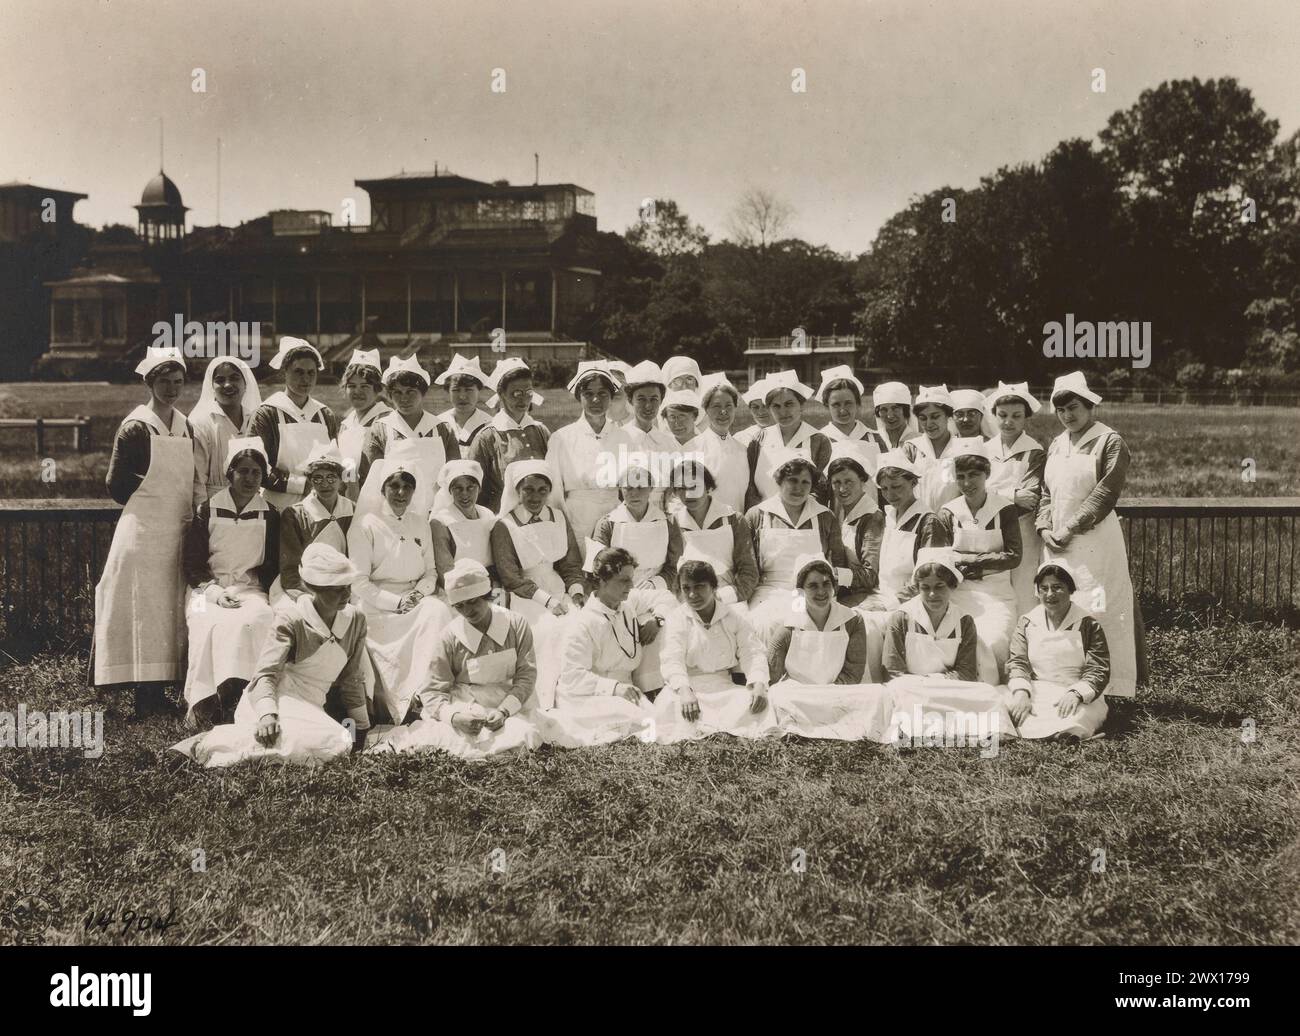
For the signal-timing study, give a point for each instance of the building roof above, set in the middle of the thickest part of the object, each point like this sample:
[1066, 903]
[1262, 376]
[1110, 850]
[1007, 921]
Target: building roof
[425, 179]
[161, 191]
[15, 186]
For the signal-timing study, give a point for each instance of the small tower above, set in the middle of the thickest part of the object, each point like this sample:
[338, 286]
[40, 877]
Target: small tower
[162, 214]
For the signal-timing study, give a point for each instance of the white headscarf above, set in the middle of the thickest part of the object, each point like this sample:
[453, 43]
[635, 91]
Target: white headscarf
[452, 470]
[516, 472]
[208, 405]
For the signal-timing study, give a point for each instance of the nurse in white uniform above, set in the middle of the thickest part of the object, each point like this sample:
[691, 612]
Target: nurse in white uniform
[932, 450]
[714, 531]
[984, 530]
[396, 579]
[409, 434]
[460, 526]
[597, 699]
[1087, 466]
[841, 393]
[1060, 664]
[722, 452]
[464, 380]
[817, 660]
[363, 383]
[754, 400]
[291, 422]
[231, 557]
[791, 436]
[931, 652]
[586, 456]
[227, 402]
[891, 402]
[645, 391]
[706, 641]
[139, 600]
[1018, 460]
[970, 420]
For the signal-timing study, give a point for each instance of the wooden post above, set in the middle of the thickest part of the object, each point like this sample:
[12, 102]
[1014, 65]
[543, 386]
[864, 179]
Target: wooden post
[40, 436]
[455, 301]
[503, 300]
[554, 291]
[408, 303]
[318, 311]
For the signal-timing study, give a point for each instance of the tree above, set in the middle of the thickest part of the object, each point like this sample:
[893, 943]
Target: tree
[759, 218]
[665, 231]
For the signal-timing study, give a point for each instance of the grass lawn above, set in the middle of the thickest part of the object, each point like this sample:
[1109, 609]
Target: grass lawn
[693, 844]
[1177, 450]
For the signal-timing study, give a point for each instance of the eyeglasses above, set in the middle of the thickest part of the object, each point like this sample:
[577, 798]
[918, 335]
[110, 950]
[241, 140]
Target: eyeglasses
[324, 478]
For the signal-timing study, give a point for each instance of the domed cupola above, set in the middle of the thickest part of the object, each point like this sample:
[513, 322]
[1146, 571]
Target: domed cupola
[162, 213]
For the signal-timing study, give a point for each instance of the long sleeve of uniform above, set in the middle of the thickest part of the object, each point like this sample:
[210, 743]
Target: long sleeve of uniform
[967, 666]
[672, 656]
[988, 562]
[1112, 474]
[372, 449]
[1096, 660]
[444, 547]
[292, 544]
[204, 435]
[578, 662]
[351, 681]
[894, 658]
[871, 534]
[428, 582]
[270, 567]
[277, 652]
[525, 678]
[196, 557]
[1030, 490]
[361, 549]
[668, 570]
[505, 559]
[435, 695]
[129, 462]
[483, 450]
[855, 655]
[846, 568]
[930, 532]
[778, 646]
[1019, 671]
[744, 566]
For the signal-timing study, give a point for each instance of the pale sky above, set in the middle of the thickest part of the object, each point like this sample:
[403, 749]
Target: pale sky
[683, 99]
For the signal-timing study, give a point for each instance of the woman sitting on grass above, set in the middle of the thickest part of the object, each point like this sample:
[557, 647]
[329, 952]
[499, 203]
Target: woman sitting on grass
[310, 672]
[477, 700]
[931, 649]
[1059, 664]
[706, 640]
[818, 663]
[603, 645]
[231, 557]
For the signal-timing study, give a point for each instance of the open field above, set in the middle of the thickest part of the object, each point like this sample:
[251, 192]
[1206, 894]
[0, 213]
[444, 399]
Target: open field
[694, 844]
[1177, 450]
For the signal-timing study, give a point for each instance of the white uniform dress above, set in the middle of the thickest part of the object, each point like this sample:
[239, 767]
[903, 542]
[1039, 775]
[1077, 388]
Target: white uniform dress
[780, 545]
[213, 430]
[352, 438]
[473, 672]
[1098, 557]
[809, 702]
[140, 598]
[225, 643]
[728, 462]
[586, 465]
[394, 556]
[991, 599]
[465, 433]
[297, 437]
[421, 447]
[1009, 468]
[921, 695]
[718, 545]
[1056, 658]
[601, 648]
[703, 657]
[773, 451]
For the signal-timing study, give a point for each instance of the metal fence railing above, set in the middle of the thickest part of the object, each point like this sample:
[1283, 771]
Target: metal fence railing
[1234, 556]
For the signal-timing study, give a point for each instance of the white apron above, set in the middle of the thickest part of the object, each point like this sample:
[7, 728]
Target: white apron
[724, 709]
[647, 542]
[296, 441]
[923, 695]
[425, 454]
[1056, 657]
[489, 681]
[307, 735]
[586, 507]
[779, 551]
[331, 535]
[990, 601]
[718, 546]
[811, 704]
[140, 598]
[1003, 480]
[539, 545]
[226, 643]
[472, 536]
[1098, 560]
[938, 482]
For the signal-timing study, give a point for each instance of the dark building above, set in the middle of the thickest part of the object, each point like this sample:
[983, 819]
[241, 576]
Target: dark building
[444, 263]
[39, 241]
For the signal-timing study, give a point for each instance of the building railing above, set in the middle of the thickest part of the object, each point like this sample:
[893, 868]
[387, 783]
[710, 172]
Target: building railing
[1228, 556]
